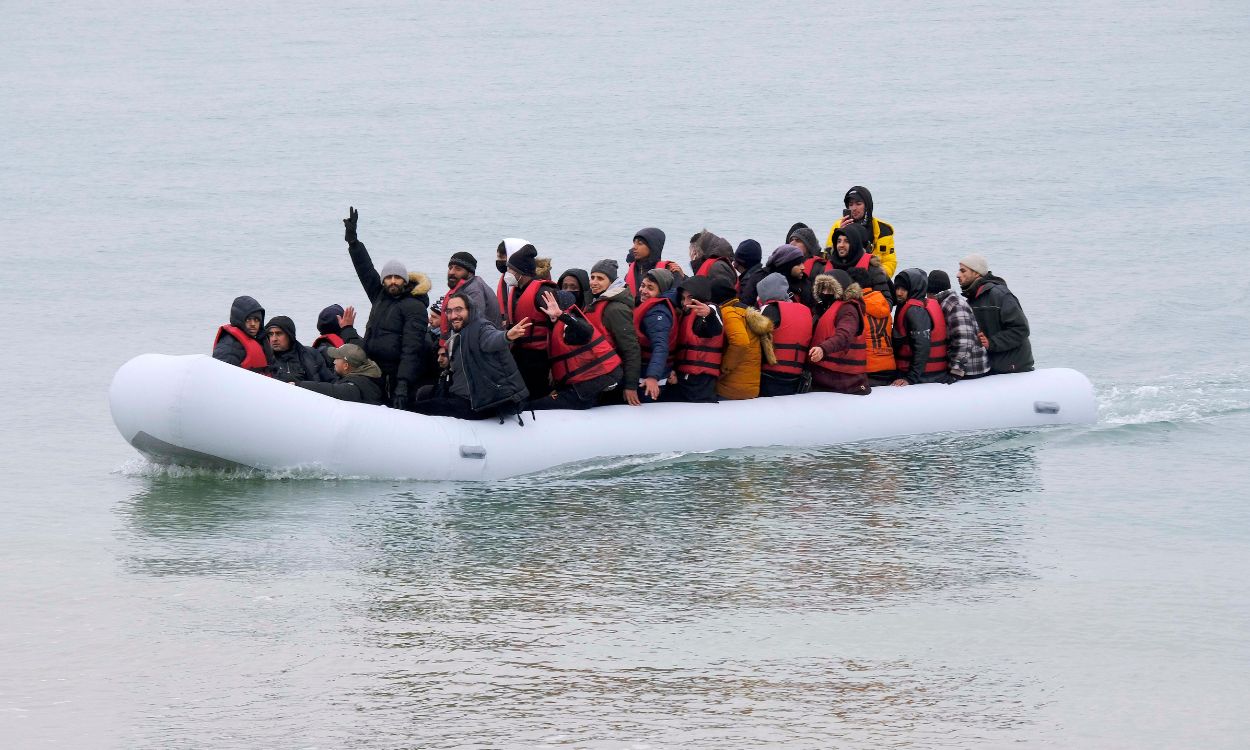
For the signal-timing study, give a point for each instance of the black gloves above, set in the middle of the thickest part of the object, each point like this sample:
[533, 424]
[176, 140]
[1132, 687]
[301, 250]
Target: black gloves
[400, 399]
[948, 378]
[350, 222]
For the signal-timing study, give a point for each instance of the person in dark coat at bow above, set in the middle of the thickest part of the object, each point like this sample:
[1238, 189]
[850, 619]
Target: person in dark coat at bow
[484, 379]
[1004, 327]
[241, 342]
[292, 361]
[357, 377]
[396, 335]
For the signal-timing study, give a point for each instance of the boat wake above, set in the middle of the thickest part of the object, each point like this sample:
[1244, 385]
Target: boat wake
[1176, 399]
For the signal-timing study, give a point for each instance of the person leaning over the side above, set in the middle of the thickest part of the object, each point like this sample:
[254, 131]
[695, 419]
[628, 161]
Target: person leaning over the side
[1004, 328]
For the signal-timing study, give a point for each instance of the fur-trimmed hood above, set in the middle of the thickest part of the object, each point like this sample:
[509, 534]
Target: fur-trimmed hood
[826, 285]
[419, 284]
[542, 268]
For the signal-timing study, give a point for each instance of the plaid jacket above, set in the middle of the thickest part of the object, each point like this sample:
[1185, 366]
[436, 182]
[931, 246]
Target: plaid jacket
[964, 354]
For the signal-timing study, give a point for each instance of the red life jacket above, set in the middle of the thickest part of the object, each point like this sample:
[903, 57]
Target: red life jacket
[706, 268]
[697, 355]
[937, 338]
[854, 359]
[526, 306]
[333, 339]
[501, 293]
[631, 279]
[254, 358]
[577, 364]
[864, 261]
[791, 338]
[809, 267]
[644, 343]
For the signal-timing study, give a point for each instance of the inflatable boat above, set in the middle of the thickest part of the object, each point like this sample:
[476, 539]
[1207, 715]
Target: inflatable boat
[195, 411]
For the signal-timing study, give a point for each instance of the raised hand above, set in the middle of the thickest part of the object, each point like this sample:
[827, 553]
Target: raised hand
[350, 223]
[550, 306]
[348, 318]
[520, 329]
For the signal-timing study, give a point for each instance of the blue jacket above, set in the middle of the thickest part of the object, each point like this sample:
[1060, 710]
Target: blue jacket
[657, 324]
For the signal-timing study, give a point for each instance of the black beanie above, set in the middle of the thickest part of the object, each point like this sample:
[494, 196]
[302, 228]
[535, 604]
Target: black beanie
[464, 260]
[939, 281]
[749, 253]
[522, 261]
[328, 319]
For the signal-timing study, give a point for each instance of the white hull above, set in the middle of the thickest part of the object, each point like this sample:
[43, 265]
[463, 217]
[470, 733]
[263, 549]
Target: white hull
[193, 410]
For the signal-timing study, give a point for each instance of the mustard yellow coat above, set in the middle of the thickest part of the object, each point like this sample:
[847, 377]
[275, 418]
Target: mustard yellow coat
[740, 360]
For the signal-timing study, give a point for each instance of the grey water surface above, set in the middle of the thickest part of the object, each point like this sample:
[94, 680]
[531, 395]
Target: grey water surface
[1068, 588]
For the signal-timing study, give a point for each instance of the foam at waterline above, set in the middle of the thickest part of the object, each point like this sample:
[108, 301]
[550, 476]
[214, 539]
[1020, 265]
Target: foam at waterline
[1184, 397]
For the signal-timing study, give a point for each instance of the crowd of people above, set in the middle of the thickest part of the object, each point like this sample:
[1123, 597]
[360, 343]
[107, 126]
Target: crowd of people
[738, 326]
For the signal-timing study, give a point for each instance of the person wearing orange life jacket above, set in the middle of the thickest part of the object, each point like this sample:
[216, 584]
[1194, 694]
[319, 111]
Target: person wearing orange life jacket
[838, 357]
[849, 253]
[240, 342]
[644, 254]
[583, 364]
[859, 210]
[792, 336]
[530, 350]
[919, 331]
[700, 344]
[878, 331]
[655, 324]
[712, 256]
[335, 327]
[612, 310]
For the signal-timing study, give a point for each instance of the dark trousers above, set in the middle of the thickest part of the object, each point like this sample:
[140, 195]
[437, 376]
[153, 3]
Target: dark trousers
[578, 396]
[882, 378]
[694, 389]
[450, 406]
[779, 385]
[535, 371]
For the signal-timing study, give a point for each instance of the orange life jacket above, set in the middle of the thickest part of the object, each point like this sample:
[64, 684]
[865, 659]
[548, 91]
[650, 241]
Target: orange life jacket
[526, 306]
[254, 358]
[792, 337]
[854, 359]
[697, 355]
[644, 342]
[877, 332]
[937, 338]
[577, 364]
[333, 339]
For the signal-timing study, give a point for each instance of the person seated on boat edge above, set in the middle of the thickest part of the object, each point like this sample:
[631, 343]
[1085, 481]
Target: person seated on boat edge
[712, 256]
[919, 331]
[646, 251]
[655, 325]
[815, 259]
[530, 350]
[965, 357]
[837, 360]
[396, 334]
[357, 378]
[583, 364]
[335, 327]
[747, 344]
[849, 252]
[791, 338]
[787, 260]
[878, 330]
[484, 379]
[292, 361]
[748, 263]
[859, 207]
[1004, 327]
[612, 311]
[700, 344]
[577, 282]
[241, 342]
[462, 276]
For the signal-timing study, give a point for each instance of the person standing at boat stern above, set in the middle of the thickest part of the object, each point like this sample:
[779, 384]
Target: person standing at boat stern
[919, 331]
[292, 361]
[397, 330]
[1004, 328]
[485, 380]
[240, 342]
[965, 356]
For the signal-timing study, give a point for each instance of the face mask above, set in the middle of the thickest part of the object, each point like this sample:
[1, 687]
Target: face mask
[501, 266]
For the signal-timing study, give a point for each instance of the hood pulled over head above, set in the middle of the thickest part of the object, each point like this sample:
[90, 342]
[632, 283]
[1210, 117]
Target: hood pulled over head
[914, 280]
[863, 194]
[244, 307]
[654, 239]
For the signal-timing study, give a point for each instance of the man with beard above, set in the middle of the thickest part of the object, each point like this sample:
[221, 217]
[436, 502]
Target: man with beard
[858, 210]
[1004, 328]
[849, 253]
[396, 333]
[240, 342]
[292, 361]
[358, 377]
[462, 277]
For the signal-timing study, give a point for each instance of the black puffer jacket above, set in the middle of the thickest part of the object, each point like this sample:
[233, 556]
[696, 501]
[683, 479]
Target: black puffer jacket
[396, 334]
[299, 362]
[482, 365]
[228, 349]
[1003, 322]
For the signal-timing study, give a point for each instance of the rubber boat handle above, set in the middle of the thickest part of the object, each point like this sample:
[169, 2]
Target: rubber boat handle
[1041, 407]
[472, 451]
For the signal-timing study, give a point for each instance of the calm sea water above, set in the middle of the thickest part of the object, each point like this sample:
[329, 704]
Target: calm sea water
[1068, 588]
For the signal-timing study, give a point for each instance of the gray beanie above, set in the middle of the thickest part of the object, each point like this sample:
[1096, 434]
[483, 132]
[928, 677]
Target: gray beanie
[607, 267]
[771, 287]
[395, 268]
[662, 277]
[976, 262]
